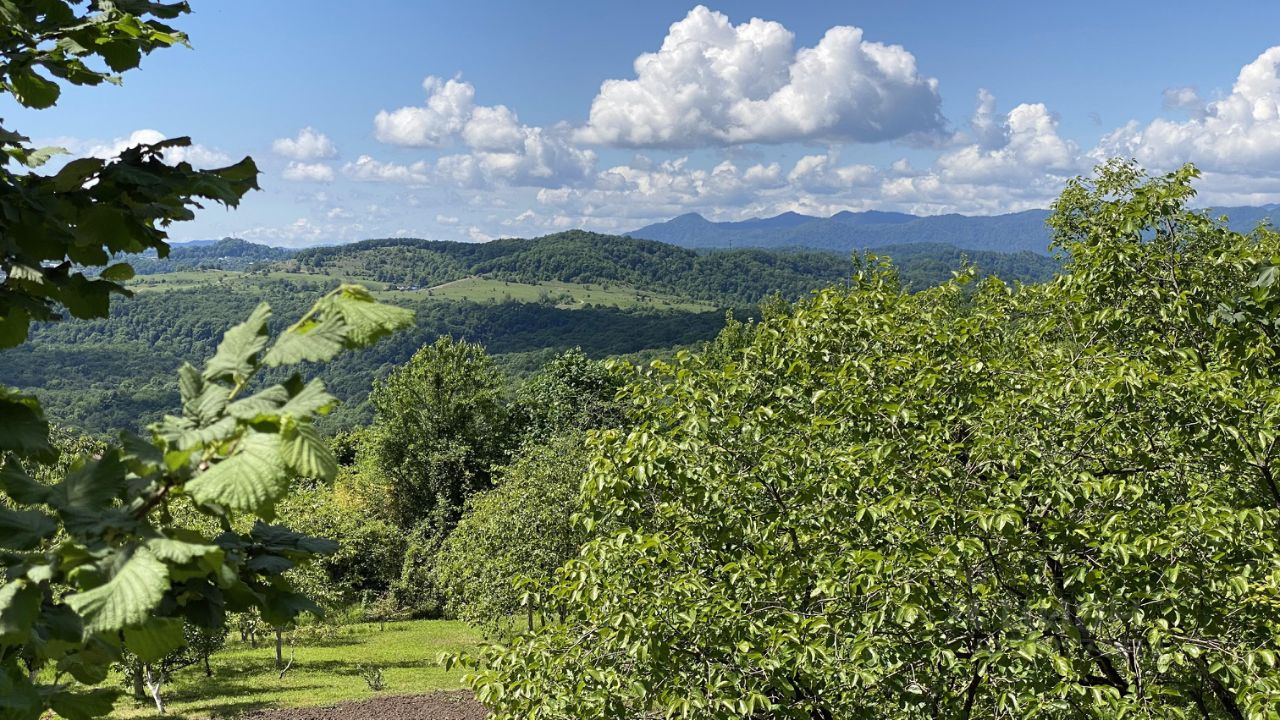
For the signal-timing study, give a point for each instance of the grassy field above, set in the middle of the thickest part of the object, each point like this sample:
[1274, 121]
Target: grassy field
[565, 295]
[323, 671]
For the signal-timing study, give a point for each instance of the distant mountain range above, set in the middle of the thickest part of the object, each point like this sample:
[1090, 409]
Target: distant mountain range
[848, 231]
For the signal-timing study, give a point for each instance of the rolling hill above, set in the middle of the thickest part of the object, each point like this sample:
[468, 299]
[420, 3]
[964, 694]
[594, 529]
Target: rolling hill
[525, 300]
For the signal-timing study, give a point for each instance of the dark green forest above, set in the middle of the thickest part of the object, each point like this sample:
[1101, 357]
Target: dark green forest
[114, 373]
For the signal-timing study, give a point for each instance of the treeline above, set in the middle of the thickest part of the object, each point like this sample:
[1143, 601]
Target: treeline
[116, 373]
[728, 277]
[224, 254]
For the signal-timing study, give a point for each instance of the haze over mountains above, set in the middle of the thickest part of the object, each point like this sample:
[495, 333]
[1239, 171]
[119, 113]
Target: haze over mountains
[848, 231]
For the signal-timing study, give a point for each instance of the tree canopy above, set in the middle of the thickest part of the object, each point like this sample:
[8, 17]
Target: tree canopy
[1052, 501]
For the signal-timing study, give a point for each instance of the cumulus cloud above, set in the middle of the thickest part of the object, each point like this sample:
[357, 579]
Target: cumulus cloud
[449, 104]
[1186, 99]
[712, 82]
[822, 174]
[308, 144]
[1014, 161]
[197, 155]
[308, 172]
[1238, 134]
[368, 169]
[500, 149]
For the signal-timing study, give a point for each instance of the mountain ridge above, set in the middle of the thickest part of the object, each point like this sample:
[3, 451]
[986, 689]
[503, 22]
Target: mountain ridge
[848, 231]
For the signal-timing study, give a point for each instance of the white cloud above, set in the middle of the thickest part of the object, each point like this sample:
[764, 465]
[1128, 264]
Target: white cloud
[197, 155]
[308, 172]
[449, 104]
[447, 219]
[716, 83]
[308, 144]
[1184, 98]
[476, 235]
[368, 169]
[500, 150]
[1024, 146]
[1238, 134]
[493, 129]
[822, 174]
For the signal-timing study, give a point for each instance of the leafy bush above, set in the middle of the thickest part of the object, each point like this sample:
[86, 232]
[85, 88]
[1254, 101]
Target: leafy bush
[1059, 502]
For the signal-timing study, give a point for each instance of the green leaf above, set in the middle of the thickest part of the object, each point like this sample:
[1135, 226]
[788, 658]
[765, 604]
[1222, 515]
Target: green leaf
[367, 319]
[236, 357]
[118, 272]
[19, 609]
[310, 342]
[24, 529]
[262, 405]
[128, 598]
[307, 453]
[84, 705]
[91, 484]
[154, 639]
[311, 400]
[32, 90]
[19, 486]
[24, 429]
[250, 480]
[181, 552]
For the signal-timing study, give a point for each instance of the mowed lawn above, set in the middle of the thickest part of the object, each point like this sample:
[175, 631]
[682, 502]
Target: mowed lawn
[323, 672]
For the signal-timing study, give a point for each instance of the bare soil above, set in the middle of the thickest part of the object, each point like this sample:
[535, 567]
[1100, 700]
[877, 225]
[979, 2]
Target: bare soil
[435, 706]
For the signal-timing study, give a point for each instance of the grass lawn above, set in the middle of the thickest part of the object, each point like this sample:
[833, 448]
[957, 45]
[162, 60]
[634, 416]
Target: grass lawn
[323, 671]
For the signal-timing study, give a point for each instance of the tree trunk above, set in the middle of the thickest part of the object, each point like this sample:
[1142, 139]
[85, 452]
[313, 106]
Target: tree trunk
[279, 648]
[139, 690]
[208, 671]
[155, 681]
[530, 606]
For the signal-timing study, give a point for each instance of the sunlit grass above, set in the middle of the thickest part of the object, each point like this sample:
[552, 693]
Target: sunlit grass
[323, 671]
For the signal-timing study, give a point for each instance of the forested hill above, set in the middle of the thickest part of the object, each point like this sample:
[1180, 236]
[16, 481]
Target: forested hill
[725, 277]
[225, 254]
[849, 231]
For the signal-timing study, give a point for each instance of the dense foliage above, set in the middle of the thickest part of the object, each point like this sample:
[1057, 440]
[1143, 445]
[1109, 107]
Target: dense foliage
[512, 539]
[1058, 502]
[96, 563]
[92, 208]
[111, 374]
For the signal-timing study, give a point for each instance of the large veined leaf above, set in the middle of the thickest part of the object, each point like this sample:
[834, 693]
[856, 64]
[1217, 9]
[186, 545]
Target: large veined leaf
[181, 551]
[250, 480]
[91, 486]
[24, 529]
[154, 639]
[367, 319]
[312, 341]
[24, 428]
[19, 608]
[311, 400]
[84, 705]
[18, 485]
[236, 356]
[261, 405]
[281, 539]
[128, 598]
[306, 453]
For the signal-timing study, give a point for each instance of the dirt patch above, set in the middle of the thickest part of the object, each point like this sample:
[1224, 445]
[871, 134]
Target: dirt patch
[435, 706]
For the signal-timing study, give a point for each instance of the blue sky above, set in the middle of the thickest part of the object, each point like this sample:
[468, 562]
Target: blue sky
[467, 121]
